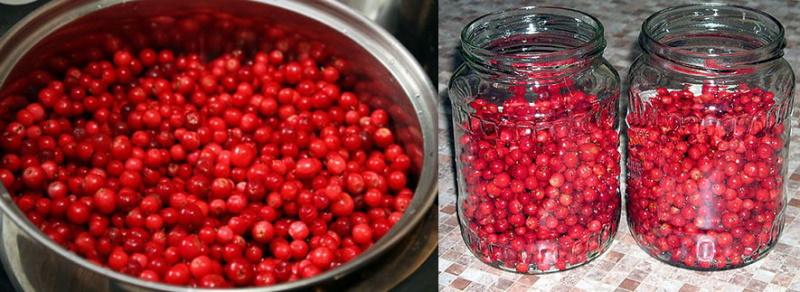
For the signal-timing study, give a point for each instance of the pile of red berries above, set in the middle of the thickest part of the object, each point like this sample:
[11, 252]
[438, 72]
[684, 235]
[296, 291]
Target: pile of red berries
[705, 175]
[238, 171]
[540, 180]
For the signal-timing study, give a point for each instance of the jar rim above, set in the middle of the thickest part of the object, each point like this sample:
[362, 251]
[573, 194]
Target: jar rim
[594, 45]
[769, 49]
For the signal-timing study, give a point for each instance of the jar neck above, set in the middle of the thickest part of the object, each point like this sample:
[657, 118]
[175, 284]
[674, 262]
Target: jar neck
[712, 39]
[532, 42]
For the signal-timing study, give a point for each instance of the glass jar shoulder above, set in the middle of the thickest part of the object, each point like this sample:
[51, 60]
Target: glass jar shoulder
[648, 73]
[598, 78]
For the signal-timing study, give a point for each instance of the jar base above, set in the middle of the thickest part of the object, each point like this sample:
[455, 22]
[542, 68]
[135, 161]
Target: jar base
[665, 257]
[510, 267]
[711, 269]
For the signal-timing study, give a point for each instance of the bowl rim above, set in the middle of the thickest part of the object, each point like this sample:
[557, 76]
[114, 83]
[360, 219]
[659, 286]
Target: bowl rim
[374, 39]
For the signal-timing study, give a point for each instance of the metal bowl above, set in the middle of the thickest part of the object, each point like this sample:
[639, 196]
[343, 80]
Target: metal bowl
[67, 29]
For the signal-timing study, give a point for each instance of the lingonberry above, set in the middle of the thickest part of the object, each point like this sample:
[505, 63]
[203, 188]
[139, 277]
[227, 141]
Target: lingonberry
[307, 167]
[236, 171]
[243, 154]
[298, 230]
[118, 259]
[362, 233]
[203, 265]
[78, 213]
[213, 281]
[239, 271]
[262, 231]
[541, 178]
[265, 279]
[33, 177]
[397, 180]
[383, 137]
[704, 166]
[55, 190]
[105, 200]
[322, 257]
[179, 274]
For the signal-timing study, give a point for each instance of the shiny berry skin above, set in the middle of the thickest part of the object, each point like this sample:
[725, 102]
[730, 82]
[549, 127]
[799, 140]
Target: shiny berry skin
[263, 231]
[706, 194]
[203, 265]
[383, 137]
[239, 271]
[308, 167]
[57, 189]
[234, 171]
[178, 275]
[322, 257]
[397, 180]
[362, 233]
[34, 176]
[105, 200]
[541, 189]
[213, 281]
[298, 230]
[243, 154]
[118, 259]
[78, 213]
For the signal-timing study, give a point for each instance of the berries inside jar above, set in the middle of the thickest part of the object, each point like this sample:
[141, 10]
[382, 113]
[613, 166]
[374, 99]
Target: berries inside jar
[539, 178]
[706, 167]
[247, 169]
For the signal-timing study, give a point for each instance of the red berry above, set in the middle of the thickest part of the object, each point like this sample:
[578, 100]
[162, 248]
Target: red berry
[362, 233]
[203, 265]
[78, 213]
[237, 171]
[105, 200]
[537, 174]
[57, 190]
[308, 167]
[724, 185]
[213, 281]
[243, 154]
[239, 271]
[33, 176]
[383, 137]
[322, 257]
[118, 259]
[397, 180]
[335, 164]
[298, 230]
[178, 275]
[263, 231]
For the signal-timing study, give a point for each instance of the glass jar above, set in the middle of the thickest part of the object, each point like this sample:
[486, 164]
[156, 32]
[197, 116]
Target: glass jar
[707, 130]
[537, 139]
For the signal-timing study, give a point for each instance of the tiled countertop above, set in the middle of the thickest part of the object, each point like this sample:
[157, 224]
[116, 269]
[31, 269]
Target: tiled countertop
[624, 267]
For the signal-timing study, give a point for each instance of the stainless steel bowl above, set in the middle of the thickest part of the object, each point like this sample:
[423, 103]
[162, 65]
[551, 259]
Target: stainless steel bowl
[69, 28]
[413, 23]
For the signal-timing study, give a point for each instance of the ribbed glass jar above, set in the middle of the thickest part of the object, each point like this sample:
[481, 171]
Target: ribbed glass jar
[707, 128]
[536, 131]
